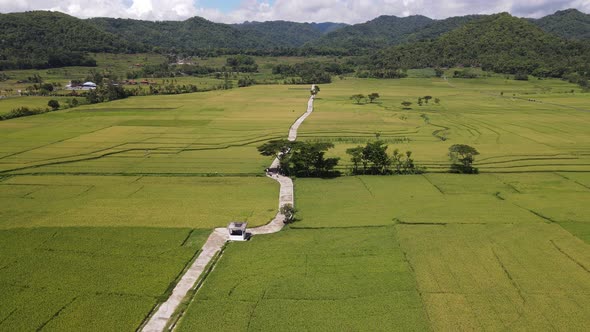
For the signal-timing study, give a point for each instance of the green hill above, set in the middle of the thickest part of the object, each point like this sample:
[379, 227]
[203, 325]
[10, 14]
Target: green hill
[46, 39]
[500, 42]
[570, 23]
[280, 33]
[380, 32]
[440, 27]
[327, 27]
[199, 33]
[194, 33]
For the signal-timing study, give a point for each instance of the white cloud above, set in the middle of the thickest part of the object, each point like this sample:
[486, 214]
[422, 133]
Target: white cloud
[349, 11]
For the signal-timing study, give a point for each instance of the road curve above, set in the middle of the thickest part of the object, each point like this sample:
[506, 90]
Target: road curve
[159, 320]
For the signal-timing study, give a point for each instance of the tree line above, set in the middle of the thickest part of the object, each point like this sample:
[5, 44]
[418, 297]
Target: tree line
[308, 159]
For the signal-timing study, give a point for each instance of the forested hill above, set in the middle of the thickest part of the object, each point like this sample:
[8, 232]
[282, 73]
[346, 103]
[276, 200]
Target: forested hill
[569, 23]
[199, 33]
[500, 42]
[49, 39]
[287, 34]
[326, 27]
[280, 33]
[440, 27]
[380, 32]
[194, 33]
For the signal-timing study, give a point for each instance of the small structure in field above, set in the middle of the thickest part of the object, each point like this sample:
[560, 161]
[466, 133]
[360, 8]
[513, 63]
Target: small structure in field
[85, 86]
[237, 231]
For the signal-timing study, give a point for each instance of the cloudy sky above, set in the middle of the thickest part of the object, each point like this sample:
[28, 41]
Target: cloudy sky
[232, 11]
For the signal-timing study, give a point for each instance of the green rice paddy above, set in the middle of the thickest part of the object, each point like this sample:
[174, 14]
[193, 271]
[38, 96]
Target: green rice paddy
[103, 206]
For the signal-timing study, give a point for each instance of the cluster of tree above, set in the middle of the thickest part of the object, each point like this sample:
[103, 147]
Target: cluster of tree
[465, 73]
[22, 111]
[577, 78]
[302, 159]
[246, 81]
[165, 69]
[242, 64]
[426, 100]
[167, 89]
[373, 159]
[106, 92]
[376, 72]
[359, 97]
[308, 72]
[462, 157]
[43, 61]
[39, 88]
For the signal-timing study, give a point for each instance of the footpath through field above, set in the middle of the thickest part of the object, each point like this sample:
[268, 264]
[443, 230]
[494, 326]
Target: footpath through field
[159, 320]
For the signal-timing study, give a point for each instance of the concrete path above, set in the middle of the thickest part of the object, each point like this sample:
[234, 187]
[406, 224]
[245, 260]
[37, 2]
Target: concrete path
[213, 245]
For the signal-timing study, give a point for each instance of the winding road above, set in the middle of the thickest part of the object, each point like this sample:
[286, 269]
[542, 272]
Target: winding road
[159, 320]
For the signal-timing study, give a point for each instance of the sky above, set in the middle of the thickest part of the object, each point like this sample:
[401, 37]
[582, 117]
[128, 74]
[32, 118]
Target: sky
[237, 11]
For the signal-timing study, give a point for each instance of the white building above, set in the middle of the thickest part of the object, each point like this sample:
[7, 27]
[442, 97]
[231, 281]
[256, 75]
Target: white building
[85, 86]
[237, 231]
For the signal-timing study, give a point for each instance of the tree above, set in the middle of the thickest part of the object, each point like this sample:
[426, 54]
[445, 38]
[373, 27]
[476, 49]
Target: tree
[358, 97]
[521, 76]
[288, 211]
[54, 104]
[427, 98]
[246, 81]
[437, 101]
[373, 96]
[462, 157]
[275, 148]
[307, 159]
[420, 102]
[375, 153]
[315, 89]
[407, 105]
[356, 156]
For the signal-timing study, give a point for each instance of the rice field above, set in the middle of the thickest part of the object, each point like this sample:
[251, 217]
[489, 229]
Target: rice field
[88, 278]
[517, 126]
[508, 249]
[480, 250]
[352, 279]
[104, 205]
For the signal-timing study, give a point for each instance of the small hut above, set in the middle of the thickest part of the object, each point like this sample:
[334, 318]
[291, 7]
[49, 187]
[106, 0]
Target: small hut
[237, 231]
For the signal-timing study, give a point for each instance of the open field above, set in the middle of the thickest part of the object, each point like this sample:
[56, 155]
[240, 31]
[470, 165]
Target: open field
[106, 204]
[201, 133]
[133, 201]
[481, 257]
[80, 187]
[92, 279]
[297, 280]
[506, 249]
[513, 134]
[8, 104]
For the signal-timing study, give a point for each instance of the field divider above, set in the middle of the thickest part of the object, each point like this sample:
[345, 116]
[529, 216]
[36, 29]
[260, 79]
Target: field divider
[190, 281]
